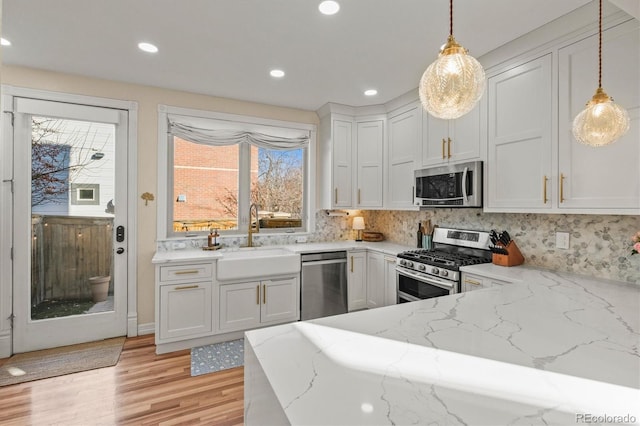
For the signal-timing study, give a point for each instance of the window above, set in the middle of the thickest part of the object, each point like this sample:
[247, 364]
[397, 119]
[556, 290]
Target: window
[216, 170]
[85, 194]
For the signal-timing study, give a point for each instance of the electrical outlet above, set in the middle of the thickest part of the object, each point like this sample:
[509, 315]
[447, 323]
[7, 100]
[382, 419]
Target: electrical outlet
[301, 239]
[179, 246]
[562, 240]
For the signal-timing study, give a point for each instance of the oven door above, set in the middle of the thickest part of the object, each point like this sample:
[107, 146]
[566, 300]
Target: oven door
[413, 286]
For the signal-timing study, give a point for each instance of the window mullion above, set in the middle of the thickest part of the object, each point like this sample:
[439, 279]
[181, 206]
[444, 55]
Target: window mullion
[244, 186]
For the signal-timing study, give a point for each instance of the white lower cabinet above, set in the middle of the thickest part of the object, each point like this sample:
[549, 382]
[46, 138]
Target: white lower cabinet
[472, 282]
[391, 287]
[256, 303]
[357, 280]
[184, 295]
[375, 280]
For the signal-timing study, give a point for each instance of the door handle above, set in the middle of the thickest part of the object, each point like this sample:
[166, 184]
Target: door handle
[119, 250]
[443, 142]
[358, 195]
[562, 176]
[264, 294]
[258, 294]
[186, 287]
[336, 197]
[449, 148]
[544, 189]
[352, 264]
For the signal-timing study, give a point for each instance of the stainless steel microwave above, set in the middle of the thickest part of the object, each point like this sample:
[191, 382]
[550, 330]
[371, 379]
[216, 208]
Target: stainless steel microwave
[456, 185]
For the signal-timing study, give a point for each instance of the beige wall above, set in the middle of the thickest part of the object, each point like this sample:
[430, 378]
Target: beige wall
[148, 99]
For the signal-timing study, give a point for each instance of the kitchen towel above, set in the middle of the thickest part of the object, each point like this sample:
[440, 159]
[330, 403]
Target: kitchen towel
[217, 357]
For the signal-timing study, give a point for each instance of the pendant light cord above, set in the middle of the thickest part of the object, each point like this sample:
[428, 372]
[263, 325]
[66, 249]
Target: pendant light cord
[451, 16]
[599, 47]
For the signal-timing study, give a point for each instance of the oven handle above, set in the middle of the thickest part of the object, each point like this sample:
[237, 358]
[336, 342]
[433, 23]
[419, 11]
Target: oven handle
[407, 297]
[424, 279]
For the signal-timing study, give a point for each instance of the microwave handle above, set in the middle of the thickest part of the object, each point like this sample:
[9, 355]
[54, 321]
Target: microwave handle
[464, 184]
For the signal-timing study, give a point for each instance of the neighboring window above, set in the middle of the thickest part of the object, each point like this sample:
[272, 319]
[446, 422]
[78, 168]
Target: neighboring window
[212, 186]
[86, 194]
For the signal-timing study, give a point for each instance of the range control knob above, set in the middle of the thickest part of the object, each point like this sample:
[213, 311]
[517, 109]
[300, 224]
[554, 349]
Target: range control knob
[410, 264]
[402, 262]
[434, 271]
[422, 267]
[444, 273]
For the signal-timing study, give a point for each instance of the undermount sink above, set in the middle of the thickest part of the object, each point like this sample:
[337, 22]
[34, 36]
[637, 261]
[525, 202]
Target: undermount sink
[257, 263]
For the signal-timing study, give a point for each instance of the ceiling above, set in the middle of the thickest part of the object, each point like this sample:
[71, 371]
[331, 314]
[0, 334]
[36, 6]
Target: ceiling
[227, 47]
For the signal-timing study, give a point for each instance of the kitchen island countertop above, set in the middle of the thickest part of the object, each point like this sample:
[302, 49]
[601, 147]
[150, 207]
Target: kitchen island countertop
[554, 349]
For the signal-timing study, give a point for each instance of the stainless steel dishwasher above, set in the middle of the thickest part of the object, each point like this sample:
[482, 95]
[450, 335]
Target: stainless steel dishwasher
[324, 284]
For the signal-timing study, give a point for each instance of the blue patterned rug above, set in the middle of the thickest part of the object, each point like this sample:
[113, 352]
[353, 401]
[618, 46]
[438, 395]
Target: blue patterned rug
[216, 357]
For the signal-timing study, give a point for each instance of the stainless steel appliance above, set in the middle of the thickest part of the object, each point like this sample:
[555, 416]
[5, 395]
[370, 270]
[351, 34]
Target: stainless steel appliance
[323, 284]
[422, 274]
[456, 185]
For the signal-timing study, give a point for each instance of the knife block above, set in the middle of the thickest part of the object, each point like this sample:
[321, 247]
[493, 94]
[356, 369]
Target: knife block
[514, 258]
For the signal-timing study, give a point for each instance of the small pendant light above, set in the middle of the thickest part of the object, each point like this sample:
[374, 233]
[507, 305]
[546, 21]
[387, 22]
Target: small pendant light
[453, 84]
[602, 121]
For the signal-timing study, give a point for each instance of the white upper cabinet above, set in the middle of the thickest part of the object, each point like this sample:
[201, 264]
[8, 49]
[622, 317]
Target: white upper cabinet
[608, 177]
[335, 162]
[448, 141]
[405, 128]
[518, 166]
[369, 173]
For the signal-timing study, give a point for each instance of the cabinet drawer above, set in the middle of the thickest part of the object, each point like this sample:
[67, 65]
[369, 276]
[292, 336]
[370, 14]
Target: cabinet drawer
[192, 272]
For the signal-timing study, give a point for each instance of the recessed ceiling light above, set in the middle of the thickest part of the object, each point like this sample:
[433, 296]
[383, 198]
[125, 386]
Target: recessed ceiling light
[329, 7]
[277, 73]
[147, 47]
[371, 92]
[5, 42]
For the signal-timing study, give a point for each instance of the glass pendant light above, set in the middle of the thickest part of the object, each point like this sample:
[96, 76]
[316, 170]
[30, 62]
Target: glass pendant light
[602, 121]
[451, 86]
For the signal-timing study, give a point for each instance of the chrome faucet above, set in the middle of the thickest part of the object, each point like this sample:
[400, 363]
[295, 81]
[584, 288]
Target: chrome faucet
[252, 229]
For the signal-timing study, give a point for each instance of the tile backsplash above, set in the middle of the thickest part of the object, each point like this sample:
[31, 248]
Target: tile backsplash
[600, 245]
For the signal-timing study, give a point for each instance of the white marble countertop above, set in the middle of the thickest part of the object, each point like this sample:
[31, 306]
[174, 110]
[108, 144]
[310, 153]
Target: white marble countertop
[200, 255]
[544, 351]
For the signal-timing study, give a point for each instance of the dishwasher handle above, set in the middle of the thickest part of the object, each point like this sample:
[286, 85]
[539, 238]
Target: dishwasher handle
[323, 262]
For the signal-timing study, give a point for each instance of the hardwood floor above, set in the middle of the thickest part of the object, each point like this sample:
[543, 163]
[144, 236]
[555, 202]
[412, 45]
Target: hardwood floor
[142, 389]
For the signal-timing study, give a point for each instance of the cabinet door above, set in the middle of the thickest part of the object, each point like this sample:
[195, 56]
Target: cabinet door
[520, 138]
[404, 140]
[464, 133]
[240, 306]
[280, 300]
[370, 137]
[375, 280]
[357, 281]
[607, 177]
[471, 282]
[391, 287]
[342, 143]
[435, 133]
[185, 310]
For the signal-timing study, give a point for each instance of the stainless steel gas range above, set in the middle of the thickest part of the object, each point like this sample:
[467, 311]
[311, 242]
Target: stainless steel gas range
[422, 274]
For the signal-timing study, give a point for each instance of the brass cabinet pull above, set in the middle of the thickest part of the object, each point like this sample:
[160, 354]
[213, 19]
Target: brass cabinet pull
[358, 195]
[193, 271]
[449, 148]
[562, 176]
[468, 281]
[544, 189]
[443, 156]
[336, 196]
[258, 294]
[186, 287]
[352, 264]
[264, 294]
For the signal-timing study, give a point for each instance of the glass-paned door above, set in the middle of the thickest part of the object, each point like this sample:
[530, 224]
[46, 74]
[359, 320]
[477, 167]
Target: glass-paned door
[69, 215]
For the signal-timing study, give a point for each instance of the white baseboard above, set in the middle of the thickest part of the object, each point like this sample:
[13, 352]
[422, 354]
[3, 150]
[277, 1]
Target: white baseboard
[148, 328]
[132, 325]
[5, 344]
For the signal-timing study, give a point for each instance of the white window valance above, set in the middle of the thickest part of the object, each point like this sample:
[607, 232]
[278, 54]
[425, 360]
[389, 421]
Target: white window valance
[220, 133]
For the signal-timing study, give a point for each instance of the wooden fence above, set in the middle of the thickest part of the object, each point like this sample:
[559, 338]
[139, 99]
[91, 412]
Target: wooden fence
[65, 252]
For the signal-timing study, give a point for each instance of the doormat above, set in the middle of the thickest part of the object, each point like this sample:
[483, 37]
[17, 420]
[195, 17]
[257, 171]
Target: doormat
[54, 362]
[217, 357]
